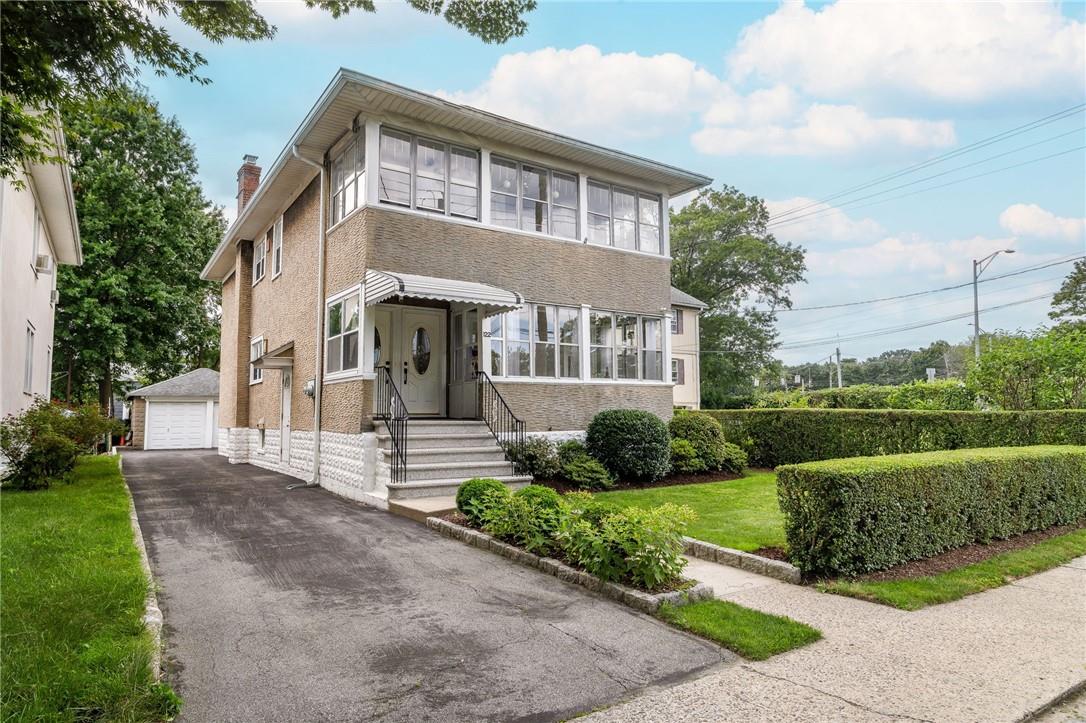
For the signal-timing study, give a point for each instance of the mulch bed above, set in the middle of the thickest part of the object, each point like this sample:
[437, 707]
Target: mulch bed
[564, 486]
[772, 553]
[962, 556]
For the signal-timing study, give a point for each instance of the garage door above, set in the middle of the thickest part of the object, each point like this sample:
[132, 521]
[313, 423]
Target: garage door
[176, 425]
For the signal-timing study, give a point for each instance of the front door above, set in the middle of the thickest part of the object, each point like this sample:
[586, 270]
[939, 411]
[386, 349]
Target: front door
[284, 418]
[410, 341]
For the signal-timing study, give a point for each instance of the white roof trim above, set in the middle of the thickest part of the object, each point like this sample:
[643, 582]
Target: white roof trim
[383, 285]
[53, 183]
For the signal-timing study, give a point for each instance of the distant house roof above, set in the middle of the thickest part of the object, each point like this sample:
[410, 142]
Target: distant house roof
[681, 298]
[197, 383]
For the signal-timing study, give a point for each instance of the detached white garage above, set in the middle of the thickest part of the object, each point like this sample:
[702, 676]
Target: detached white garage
[179, 413]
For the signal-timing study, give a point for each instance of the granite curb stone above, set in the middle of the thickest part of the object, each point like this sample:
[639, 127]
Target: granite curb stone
[709, 552]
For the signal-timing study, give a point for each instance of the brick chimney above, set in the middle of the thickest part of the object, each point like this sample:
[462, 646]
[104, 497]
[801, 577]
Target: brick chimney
[248, 180]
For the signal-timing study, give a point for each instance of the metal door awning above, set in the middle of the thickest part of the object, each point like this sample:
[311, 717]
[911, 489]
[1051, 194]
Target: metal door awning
[382, 285]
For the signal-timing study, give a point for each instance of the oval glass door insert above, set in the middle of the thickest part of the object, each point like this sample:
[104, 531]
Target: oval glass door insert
[420, 350]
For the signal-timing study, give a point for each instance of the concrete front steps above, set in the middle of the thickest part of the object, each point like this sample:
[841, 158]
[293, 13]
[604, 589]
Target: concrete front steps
[441, 454]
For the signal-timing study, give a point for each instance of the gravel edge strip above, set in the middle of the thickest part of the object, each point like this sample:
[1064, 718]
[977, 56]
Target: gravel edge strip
[743, 560]
[152, 616]
[642, 601]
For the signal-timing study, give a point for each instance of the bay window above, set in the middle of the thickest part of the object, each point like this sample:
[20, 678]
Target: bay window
[428, 175]
[623, 218]
[533, 198]
[341, 334]
[348, 180]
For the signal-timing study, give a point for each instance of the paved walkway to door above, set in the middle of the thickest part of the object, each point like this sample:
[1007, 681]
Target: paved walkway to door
[302, 606]
[996, 656]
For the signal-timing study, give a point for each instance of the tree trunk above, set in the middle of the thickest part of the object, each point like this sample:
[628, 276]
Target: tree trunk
[105, 391]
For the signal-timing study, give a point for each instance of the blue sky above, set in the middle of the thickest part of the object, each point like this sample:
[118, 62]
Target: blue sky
[788, 102]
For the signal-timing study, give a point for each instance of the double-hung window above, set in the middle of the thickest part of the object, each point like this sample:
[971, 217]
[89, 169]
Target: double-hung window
[539, 340]
[348, 180]
[533, 198]
[623, 218]
[257, 347]
[277, 247]
[601, 344]
[676, 321]
[626, 346]
[260, 256]
[428, 175]
[652, 349]
[341, 334]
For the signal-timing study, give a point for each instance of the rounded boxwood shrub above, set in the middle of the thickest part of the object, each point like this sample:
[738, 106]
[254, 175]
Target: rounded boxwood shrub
[733, 458]
[476, 495]
[704, 433]
[630, 443]
[587, 473]
[684, 458]
[540, 495]
[570, 450]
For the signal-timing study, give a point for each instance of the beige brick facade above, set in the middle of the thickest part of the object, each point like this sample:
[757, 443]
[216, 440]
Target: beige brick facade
[560, 407]
[138, 421]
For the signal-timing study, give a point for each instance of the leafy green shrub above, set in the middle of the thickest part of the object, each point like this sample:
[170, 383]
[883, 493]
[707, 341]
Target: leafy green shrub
[528, 518]
[945, 394]
[787, 436]
[41, 443]
[534, 456]
[851, 516]
[633, 546]
[705, 434]
[684, 458]
[630, 443]
[570, 450]
[474, 496]
[587, 473]
[733, 458]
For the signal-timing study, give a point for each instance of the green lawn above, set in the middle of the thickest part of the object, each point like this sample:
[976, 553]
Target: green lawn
[923, 591]
[754, 635]
[742, 514]
[74, 646]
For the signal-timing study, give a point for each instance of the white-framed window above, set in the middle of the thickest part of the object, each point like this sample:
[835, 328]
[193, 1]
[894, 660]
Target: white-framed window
[341, 333]
[348, 179]
[625, 346]
[624, 218]
[675, 371]
[676, 321]
[28, 361]
[257, 347]
[533, 198]
[260, 257]
[428, 175]
[277, 247]
[538, 340]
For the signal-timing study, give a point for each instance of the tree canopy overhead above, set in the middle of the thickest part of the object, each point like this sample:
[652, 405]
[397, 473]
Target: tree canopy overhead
[58, 52]
[1069, 303]
[723, 254]
[137, 304]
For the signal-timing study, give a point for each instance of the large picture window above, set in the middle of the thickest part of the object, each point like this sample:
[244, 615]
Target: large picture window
[348, 180]
[538, 340]
[626, 346]
[533, 198]
[623, 218]
[341, 334]
[428, 175]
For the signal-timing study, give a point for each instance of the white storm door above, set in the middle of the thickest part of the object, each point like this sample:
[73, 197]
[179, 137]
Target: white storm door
[284, 417]
[422, 362]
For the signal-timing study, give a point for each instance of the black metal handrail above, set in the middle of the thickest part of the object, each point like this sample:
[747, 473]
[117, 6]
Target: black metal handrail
[393, 411]
[506, 427]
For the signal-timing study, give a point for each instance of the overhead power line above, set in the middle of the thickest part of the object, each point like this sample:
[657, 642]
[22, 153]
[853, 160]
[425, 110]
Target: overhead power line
[914, 294]
[999, 137]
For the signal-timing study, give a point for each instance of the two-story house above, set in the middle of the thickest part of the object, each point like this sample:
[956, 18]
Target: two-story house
[414, 281]
[686, 349]
[38, 230]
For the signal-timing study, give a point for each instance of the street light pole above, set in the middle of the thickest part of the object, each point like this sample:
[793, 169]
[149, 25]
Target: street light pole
[978, 269]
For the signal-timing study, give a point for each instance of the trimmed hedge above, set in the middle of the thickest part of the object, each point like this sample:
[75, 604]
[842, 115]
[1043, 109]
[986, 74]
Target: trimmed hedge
[851, 516]
[789, 436]
[631, 443]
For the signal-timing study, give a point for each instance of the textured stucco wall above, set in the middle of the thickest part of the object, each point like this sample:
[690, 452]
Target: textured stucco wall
[571, 406]
[139, 421]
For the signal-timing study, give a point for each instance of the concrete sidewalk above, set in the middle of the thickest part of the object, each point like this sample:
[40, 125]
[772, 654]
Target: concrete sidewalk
[996, 656]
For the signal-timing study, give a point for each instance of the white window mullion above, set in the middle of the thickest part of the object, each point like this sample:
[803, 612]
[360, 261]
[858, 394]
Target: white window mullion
[372, 160]
[582, 207]
[586, 352]
[667, 341]
[484, 186]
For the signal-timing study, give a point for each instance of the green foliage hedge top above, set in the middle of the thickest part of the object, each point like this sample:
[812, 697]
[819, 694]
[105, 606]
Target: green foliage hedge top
[788, 436]
[851, 516]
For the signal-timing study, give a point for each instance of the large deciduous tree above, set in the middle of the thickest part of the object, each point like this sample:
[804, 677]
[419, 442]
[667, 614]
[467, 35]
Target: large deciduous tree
[137, 303]
[724, 255]
[57, 52]
[1069, 303]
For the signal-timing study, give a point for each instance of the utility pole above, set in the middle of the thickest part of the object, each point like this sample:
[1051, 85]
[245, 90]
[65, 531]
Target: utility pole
[978, 269]
[839, 384]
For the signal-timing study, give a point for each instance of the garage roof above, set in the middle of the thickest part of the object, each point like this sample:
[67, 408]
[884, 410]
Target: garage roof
[197, 383]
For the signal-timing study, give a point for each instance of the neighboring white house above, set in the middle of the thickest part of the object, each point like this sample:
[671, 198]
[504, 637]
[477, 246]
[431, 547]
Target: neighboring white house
[38, 230]
[685, 349]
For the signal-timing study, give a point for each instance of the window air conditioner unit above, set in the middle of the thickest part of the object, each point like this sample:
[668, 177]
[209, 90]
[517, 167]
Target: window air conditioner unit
[54, 297]
[43, 264]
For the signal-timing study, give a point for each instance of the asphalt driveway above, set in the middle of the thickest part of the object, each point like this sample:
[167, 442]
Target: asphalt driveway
[302, 606]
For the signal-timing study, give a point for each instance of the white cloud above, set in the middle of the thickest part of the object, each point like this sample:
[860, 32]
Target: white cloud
[823, 130]
[825, 224]
[1032, 221]
[909, 254]
[952, 51]
[586, 91]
